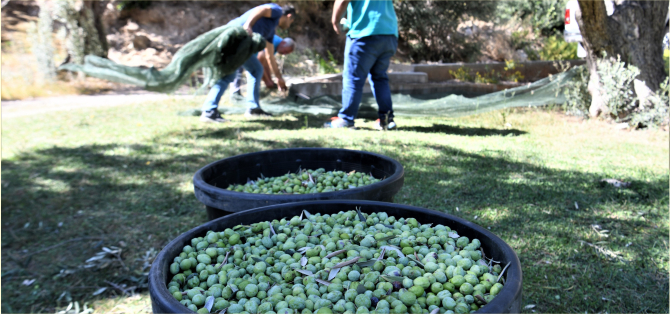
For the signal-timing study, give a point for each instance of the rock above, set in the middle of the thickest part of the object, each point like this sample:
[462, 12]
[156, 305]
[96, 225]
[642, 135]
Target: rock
[141, 42]
[131, 27]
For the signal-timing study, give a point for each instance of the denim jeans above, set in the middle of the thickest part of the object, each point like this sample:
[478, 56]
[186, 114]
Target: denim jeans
[254, 76]
[367, 57]
[237, 82]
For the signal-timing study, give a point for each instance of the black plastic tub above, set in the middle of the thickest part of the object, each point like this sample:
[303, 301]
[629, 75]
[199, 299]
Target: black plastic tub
[507, 301]
[211, 181]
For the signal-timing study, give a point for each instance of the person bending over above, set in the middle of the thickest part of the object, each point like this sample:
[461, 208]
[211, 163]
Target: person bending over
[372, 40]
[263, 19]
[282, 46]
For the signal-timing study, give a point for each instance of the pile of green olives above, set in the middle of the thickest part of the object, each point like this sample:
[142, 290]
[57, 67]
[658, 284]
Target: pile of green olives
[347, 262]
[305, 182]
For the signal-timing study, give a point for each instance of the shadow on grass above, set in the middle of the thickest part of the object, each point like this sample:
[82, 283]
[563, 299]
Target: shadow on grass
[464, 131]
[313, 121]
[138, 197]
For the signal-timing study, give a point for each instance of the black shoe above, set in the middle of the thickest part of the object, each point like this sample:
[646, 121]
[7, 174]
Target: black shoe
[257, 112]
[212, 116]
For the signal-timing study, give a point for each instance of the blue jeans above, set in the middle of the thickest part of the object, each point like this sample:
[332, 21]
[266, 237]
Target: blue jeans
[237, 83]
[367, 57]
[254, 76]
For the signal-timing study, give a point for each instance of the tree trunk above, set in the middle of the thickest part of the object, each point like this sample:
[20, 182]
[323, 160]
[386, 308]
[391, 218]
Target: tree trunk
[634, 32]
[97, 9]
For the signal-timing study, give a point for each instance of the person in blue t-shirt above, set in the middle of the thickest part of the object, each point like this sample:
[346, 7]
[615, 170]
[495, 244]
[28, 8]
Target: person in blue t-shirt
[372, 40]
[263, 19]
[282, 46]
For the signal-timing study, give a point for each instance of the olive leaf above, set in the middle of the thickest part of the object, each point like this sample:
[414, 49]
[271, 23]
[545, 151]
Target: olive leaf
[234, 288]
[392, 278]
[435, 310]
[349, 262]
[335, 253]
[323, 282]
[366, 263]
[481, 299]
[302, 250]
[258, 260]
[360, 289]
[454, 235]
[301, 216]
[305, 272]
[394, 248]
[303, 261]
[190, 276]
[333, 272]
[503, 271]
[360, 215]
[209, 303]
[381, 256]
[387, 237]
[414, 259]
[273, 230]
[225, 259]
[307, 214]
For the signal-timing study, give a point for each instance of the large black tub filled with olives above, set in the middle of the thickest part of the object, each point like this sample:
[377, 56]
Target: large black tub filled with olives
[329, 264]
[211, 183]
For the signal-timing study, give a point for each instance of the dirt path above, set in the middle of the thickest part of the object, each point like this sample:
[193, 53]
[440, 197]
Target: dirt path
[20, 108]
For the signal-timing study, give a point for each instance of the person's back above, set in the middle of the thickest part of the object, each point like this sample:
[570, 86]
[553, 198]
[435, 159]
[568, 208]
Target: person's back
[264, 26]
[367, 18]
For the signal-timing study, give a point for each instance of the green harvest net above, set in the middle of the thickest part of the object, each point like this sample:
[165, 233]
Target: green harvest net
[218, 52]
[543, 92]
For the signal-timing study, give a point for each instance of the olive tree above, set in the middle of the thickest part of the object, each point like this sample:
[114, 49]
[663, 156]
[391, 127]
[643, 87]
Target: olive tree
[634, 32]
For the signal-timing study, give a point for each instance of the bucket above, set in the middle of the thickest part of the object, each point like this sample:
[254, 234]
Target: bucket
[210, 182]
[508, 299]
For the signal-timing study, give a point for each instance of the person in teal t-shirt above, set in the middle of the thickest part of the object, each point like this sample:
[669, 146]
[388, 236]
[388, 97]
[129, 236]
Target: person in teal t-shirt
[372, 40]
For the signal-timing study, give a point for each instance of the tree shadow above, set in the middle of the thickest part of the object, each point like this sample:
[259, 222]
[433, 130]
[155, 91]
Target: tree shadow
[463, 131]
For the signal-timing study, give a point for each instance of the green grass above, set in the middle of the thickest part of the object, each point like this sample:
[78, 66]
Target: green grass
[121, 176]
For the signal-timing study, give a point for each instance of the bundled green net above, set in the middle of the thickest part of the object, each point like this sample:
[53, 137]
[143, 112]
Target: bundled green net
[218, 52]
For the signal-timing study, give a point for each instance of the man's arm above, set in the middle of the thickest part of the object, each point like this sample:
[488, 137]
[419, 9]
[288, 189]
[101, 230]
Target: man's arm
[338, 9]
[267, 79]
[270, 55]
[258, 13]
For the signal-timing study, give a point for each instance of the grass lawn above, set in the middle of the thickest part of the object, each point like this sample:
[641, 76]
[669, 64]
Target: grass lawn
[74, 182]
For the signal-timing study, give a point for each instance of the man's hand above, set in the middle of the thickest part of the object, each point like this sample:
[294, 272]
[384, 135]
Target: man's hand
[339, 8]
[247, 28]
[282, 84]
[336, 26]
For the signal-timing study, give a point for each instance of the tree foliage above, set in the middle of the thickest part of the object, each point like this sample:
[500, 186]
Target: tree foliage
[428, 29]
